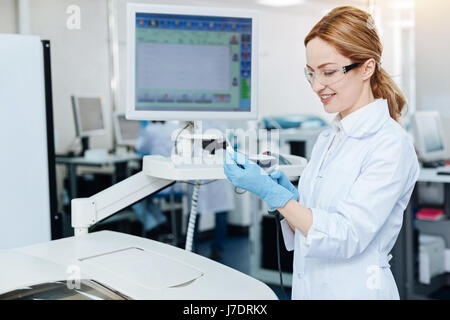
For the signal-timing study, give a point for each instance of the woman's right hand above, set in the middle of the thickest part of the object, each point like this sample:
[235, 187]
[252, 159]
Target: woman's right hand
[281, 178]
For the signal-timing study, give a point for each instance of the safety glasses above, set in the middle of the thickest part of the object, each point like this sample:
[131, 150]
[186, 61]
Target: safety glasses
[329, 74]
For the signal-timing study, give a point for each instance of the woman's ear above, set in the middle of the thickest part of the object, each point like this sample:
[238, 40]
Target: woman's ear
[368, 68]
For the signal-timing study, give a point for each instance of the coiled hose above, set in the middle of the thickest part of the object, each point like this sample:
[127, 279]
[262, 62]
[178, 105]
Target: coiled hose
[192, 217]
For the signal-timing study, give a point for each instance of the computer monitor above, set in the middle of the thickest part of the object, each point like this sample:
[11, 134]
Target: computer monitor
[126, 131]
[89, 115]
[429, 136]
[191, 63]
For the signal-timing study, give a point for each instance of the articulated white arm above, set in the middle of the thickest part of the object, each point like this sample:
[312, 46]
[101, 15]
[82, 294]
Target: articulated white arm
[158, 172]
[88, 211]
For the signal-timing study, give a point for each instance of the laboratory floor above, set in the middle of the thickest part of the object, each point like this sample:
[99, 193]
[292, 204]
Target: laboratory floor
[236, 256]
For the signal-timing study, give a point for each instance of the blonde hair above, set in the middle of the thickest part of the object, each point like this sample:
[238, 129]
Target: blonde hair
[352, 32]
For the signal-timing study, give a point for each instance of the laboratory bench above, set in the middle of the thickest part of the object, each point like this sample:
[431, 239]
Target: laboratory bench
[119, 162]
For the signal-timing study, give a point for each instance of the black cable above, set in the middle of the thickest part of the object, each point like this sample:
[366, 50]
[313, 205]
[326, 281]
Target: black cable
[176, 138]
[278, 223]
[236, 191]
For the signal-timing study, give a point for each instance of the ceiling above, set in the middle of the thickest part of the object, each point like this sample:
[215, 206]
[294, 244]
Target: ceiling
[255, 4]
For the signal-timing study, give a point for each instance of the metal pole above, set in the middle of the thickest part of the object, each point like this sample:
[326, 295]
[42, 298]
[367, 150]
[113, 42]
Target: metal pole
[23, 16]
[113, 40]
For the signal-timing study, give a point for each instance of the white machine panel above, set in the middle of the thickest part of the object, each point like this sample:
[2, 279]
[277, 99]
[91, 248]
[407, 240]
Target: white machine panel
[135, 267]
[24, 184]
[144, 268]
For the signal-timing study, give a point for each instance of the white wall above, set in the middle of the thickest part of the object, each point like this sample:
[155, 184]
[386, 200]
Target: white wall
[282, 86]
[80, 65]
[432, 62]
[7, 16]
[80, 60]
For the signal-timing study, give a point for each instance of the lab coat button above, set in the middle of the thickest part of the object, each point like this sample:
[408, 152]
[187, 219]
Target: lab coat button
[299, 275]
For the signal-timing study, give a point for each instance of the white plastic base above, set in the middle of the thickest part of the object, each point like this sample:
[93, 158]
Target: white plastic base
[163, 167]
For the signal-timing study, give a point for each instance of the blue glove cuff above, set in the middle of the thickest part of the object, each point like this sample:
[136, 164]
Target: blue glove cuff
[276, 196]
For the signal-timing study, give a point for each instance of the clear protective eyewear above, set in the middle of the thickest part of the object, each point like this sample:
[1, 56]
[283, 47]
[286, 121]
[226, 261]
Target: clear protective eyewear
[329, 75]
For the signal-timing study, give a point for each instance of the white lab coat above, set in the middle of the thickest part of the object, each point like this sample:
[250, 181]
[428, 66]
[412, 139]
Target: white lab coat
[357, 197]
[216, 197]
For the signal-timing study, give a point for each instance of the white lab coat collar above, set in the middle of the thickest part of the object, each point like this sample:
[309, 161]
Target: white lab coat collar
[364, 121]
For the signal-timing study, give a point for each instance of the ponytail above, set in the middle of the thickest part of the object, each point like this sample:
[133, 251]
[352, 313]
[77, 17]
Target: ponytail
[384, 87]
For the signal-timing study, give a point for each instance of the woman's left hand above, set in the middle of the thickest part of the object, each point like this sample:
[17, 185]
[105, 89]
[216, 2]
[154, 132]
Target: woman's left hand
[245, 174]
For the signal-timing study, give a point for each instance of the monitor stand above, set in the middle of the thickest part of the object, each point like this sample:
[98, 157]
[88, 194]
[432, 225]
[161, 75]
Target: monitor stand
[84, 145]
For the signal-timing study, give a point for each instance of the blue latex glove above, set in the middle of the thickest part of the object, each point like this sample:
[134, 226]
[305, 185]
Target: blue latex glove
[247, 175]
[283, 180]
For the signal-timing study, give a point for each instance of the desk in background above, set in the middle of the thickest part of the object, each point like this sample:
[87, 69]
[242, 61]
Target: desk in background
[120, 171]
[119, 163]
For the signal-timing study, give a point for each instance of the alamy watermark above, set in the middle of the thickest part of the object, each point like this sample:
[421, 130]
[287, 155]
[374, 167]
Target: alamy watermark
[206, 147]
[74, 277]
[73, 21]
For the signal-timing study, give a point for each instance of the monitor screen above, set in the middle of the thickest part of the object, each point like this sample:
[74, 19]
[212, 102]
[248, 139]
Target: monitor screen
[431, 136]
[192, 66]
[89, 115]
[127, 131]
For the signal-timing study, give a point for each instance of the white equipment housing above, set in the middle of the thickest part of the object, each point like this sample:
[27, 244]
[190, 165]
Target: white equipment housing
[129, 266]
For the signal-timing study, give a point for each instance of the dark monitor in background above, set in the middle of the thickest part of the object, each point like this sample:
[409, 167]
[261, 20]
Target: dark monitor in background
[89, 116]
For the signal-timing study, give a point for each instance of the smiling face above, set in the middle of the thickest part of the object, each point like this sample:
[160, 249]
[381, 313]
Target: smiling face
[351, 91]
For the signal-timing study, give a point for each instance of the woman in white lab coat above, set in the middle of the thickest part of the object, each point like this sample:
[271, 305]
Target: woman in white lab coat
[345, 217]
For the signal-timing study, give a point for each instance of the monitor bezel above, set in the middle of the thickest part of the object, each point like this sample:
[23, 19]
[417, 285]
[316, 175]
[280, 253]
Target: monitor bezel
[76, 113]
[419, 137]
[132, 114]
[119, 139]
